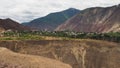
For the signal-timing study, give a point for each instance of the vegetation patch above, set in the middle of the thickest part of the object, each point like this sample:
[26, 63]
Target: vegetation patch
[63, 35]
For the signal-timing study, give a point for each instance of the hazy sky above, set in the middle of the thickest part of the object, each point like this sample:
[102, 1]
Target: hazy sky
[26, 10]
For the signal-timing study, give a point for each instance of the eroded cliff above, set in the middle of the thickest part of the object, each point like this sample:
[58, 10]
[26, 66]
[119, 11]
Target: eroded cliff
[79, 54]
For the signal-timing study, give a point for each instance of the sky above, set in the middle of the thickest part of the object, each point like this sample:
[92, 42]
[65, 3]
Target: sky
[27, 10]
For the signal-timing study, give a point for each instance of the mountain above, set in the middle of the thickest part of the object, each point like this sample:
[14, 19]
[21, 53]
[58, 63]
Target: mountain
[96, 19]
[9, 59]
[7, 24]
[51, 21]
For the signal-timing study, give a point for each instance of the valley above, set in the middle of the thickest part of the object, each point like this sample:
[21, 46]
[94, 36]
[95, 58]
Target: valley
[71, 38]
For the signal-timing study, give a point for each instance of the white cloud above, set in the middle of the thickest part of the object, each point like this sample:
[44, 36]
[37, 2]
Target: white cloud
[26, 10]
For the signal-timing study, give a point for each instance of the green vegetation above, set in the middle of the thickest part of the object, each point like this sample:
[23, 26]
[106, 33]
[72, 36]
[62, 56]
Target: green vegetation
[37, 35]
[20, 36]
[56, 18]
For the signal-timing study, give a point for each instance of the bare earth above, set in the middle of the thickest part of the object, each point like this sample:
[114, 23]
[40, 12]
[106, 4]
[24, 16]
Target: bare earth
[9, 59]
[84, 53]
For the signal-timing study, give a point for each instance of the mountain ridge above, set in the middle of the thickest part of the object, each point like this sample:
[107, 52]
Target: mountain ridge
[9, 24]
[52, 20]
[94, 20]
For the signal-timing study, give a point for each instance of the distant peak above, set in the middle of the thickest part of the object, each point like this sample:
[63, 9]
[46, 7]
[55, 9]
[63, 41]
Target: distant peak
[7, 19]
[72, 9]
[118, 5]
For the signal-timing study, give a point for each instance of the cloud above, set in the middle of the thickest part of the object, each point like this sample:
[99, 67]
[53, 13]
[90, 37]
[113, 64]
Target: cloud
[26, 10]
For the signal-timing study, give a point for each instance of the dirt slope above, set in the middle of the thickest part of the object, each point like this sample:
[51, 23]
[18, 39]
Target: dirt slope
[9, 59]
[79, 54]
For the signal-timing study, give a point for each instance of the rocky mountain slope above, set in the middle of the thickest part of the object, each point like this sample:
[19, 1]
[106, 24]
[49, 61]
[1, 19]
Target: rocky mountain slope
[7, 24]
[51, 21]
[95, 19]
[79, 53]
[9, 59]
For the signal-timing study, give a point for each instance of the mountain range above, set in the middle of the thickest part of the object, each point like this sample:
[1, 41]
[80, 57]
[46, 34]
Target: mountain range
[53, 20]
[95, 19]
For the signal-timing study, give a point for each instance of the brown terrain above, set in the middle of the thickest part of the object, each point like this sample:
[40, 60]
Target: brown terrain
[8, 24]
[95, 19]
[9, 59]
[77, 53]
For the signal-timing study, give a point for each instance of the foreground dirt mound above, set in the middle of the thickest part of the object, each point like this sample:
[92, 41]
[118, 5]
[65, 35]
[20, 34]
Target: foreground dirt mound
[79, 53]
[9, 59]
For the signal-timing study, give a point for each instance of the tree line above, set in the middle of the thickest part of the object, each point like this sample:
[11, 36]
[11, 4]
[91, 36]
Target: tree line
[111, 36]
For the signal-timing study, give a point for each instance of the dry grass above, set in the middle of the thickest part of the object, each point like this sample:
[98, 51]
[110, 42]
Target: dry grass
[8, 59]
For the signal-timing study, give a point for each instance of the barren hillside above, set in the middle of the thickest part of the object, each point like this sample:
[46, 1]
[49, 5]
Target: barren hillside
[9, 24]
[79, 53]
[9, 59]
[97, 19]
